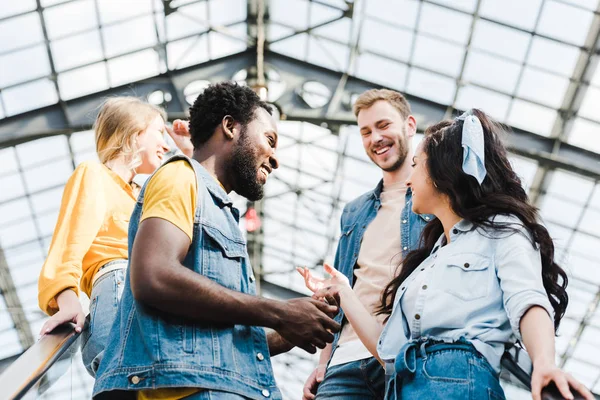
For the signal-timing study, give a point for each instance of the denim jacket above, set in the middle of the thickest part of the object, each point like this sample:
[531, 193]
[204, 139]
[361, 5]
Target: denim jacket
[150, 349]
[357, 215]
[478, 287]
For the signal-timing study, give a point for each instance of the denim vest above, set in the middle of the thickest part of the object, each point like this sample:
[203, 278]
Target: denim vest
[150, 349]
[357, 215]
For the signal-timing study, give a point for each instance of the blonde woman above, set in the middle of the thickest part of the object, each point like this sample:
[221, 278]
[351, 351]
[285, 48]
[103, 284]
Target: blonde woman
[89, 244]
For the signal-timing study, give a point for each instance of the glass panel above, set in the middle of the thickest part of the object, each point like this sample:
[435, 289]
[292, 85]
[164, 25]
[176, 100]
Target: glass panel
[293, 13]
[133, 67]
[565, 22]
[386, 40]
[338, 30]
[438, 55]
[570, 186]
[29, 31]
[29, 96]
[431, 86]
[328, 54]
[465, 5]
[319, 14]
[542, 87]
[557, 210]
[585, 134]
[500, 40]
[532, 117]
[188, 20]
[493, 103]
[186, 52]
[436, 20]
[24, 65]
[504, 11]
[111, 11]
[16, 7]
[59, 21]
[492, 72]
[140, 33]
[380, 70]
[82, 81]
[89, 49]
[589, 105]
[553, 56]
[222, 46]
[38, 152]
[397, 12]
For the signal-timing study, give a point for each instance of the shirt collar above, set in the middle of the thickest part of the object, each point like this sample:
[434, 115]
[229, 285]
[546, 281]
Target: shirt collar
[459, 228]
[213, 185]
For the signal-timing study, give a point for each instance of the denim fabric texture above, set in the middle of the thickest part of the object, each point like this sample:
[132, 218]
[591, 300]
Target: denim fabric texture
[151, 350]
[357, 380]
[104, 303]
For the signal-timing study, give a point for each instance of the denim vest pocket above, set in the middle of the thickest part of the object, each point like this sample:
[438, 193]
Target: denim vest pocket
[223, 258]
[466, 276]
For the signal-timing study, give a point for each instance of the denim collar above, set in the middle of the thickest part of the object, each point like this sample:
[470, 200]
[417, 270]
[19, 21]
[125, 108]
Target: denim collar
[213, 186]
[460, 227]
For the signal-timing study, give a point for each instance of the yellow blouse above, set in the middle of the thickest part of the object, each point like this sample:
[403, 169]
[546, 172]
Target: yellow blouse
[91, 231]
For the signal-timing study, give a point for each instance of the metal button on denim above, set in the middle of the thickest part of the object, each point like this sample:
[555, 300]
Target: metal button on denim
[417, 316]
[266, 393]
[260, 356]
[252, 278]
[404, 221]
[135, 380]
[467, 265]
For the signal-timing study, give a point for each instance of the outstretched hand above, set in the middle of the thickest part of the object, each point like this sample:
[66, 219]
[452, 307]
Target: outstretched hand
[325, 289]
[180, 133]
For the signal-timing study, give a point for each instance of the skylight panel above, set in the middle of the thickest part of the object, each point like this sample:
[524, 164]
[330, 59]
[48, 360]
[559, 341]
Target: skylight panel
[293, 13]
[328, 54]
[386, 40]
[382, 71]
[532, 117]
[29, 96]
[542, 87]
[585, 134]
[82, 81]
[111, 10]
[226, 12]
[553, 56]
[10, 8]
[492, 72]
[89, 49]
[500, 40]
[494, 104]
[589, 105]
[32, 63]
[60, 19]
[559, 210]
[222, 46]
[430, 86]
[48, 175]
[504, 11]
[397, 12]
[187, 20]
[133, 67]
[438, 55]
[140, 33]
[20, 31]
[565, 22]
[445, 23]
[185, 52]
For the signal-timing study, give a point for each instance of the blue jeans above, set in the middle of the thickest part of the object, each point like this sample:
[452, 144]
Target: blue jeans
[363, 379]
[427, 370]
[104, 303]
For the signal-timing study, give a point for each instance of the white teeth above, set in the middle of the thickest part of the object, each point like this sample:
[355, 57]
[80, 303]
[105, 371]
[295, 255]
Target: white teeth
[382, 150]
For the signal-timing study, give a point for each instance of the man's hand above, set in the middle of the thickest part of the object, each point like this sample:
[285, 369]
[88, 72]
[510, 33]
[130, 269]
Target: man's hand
[307, 323]
[312, 382]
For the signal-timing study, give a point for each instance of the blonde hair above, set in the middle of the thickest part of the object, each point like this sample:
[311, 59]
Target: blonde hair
[119, 122]
[368, 98]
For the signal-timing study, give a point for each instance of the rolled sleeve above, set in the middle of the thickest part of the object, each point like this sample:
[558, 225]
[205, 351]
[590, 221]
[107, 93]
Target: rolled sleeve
[519, 269]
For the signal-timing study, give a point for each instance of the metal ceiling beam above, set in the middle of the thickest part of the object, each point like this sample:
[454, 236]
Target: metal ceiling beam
[81, 112]
[13, 304]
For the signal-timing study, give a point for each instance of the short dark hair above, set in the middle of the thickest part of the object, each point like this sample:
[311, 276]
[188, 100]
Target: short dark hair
[219, 100]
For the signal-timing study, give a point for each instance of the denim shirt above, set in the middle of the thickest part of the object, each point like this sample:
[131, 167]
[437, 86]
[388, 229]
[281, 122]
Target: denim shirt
[357, 215]
[151, 350]
[478, 287]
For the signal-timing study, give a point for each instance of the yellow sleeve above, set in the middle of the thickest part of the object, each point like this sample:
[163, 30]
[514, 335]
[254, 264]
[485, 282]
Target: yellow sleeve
[171, 195]
[81, 216]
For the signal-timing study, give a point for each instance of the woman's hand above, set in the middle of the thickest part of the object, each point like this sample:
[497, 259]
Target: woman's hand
[180, 133]
[544, 373]
[328, 289]
[69, 310]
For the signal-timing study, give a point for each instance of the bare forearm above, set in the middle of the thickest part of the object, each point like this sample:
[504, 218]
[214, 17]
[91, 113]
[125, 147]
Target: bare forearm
[325, 354]
[366, 326]
[537, 331]
[182, 292]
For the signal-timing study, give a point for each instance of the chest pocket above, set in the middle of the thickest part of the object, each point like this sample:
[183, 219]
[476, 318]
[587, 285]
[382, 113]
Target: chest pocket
[467, 276]
[222, 261]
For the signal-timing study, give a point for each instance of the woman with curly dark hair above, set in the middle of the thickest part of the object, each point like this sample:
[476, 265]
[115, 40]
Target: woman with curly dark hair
[483, 277]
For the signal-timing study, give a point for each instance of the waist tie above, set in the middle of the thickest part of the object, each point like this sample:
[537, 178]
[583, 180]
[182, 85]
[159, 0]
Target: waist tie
[405, 363]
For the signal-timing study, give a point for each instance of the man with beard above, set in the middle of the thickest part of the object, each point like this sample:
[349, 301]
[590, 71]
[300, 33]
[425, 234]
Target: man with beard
[189, 323]
[378, 229]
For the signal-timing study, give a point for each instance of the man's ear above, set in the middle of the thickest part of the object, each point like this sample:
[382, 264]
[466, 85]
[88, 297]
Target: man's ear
[411, 126]
[228, 127]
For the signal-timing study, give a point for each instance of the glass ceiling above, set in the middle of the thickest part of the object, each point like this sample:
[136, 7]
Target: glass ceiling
[534, 69]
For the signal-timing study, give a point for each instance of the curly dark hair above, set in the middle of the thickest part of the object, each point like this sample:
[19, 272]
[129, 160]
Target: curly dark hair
[501, 192]
[219, 100]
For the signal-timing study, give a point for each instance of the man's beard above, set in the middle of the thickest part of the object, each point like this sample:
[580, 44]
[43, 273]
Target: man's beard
[402, 146]
[243, 169]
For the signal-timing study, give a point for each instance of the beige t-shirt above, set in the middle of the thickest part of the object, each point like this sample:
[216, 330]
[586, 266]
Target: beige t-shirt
[379, 256]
